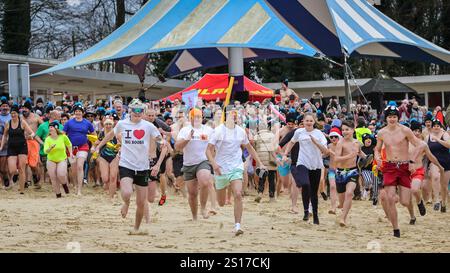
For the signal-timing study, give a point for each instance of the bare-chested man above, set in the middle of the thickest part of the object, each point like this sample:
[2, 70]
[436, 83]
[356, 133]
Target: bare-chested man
[33, 121]
[345, 155]
[418, 170]
[396, 139]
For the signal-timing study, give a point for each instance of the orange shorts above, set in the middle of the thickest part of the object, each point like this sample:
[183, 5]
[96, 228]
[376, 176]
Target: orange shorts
[33, 152]
[419, 174]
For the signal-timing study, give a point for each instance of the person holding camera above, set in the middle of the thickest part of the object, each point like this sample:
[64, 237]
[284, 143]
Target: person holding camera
[334, 106]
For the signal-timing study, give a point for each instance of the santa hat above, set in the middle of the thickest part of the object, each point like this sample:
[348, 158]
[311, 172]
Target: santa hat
[335, 132]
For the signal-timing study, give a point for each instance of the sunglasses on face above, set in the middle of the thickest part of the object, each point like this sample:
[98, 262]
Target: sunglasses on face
[137, 110]
[334, 137]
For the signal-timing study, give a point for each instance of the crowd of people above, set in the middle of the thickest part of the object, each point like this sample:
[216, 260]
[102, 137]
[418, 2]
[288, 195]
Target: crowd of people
[220, 154]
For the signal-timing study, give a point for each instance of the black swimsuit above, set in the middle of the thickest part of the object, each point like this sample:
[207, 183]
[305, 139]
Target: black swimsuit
[440, 152]
[17, 144]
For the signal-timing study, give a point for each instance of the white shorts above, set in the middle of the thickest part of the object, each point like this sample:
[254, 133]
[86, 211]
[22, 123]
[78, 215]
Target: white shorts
[82, 154]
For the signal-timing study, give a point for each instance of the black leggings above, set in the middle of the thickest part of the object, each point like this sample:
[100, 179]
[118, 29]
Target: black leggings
[309, 181]
[262, 181]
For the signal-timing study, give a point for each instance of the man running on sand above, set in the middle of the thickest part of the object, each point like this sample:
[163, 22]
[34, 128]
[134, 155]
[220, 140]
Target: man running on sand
[396, 139]
[135, 135]
[418, 170]
[193, 141]
[33, 121]
[228, 165]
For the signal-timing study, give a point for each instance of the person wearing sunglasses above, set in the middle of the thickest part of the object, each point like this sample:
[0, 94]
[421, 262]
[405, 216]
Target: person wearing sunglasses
[135, 135]
[335, 135]
[396, 172]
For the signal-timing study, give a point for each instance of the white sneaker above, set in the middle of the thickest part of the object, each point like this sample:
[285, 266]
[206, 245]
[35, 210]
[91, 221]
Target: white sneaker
[310, 208]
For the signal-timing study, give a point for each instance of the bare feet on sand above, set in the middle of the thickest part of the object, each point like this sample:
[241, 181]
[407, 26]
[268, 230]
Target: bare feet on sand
[205, 213]
[124, 210]
[138, 232]
[212, 212]
[342, 223]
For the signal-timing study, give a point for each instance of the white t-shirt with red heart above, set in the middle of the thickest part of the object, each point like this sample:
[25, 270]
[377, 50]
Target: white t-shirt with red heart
[134, 153]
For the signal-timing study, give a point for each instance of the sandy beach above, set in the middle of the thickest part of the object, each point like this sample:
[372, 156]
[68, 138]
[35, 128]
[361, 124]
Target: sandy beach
[38, 222]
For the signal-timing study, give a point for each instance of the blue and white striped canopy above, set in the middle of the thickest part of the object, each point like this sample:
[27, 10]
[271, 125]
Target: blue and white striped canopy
[334, 26]
[189, 60]
[163, 25]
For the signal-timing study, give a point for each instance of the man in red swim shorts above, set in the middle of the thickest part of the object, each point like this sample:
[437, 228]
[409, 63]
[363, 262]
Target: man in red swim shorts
[396, 173]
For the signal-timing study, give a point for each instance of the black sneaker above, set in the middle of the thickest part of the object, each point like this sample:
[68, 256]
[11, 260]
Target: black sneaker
[316, 220]
[422, 208]
[397, 233]
[27, 184]
[306, 217]
[375, 201]
[15, 178]
[6, 182]
[412, 221]
[36, 179]
[324, 196]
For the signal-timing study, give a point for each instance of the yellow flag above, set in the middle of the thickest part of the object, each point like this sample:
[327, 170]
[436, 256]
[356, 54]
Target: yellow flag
[227, 100]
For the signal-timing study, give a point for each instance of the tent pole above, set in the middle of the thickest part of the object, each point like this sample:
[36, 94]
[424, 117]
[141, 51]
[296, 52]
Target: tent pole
[235, 61]
[348, 98]
[236, 70]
